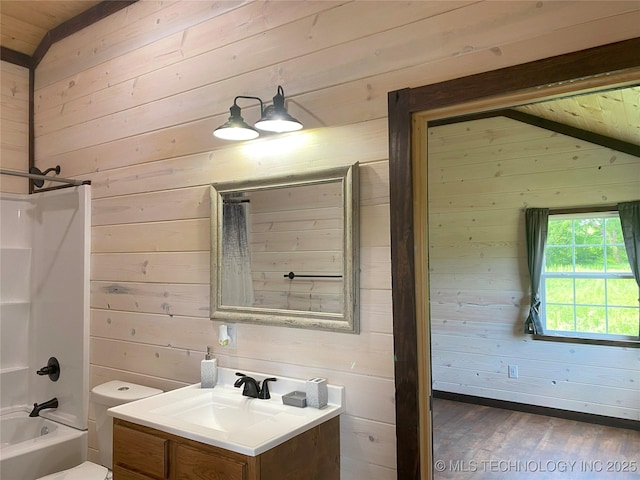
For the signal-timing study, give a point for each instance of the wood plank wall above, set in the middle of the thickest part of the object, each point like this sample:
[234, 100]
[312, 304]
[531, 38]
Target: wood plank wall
[130, 103]
[14, 126]
[482, 175]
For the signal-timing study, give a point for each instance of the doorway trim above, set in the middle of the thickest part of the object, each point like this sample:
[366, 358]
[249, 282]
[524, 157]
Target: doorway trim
[409, 111]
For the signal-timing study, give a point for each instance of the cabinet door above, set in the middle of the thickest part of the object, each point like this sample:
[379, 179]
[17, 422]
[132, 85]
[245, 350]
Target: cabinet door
[120, 473]
[141, 452]
[191, 464]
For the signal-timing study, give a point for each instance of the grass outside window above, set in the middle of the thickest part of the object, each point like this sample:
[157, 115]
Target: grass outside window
[587, 286]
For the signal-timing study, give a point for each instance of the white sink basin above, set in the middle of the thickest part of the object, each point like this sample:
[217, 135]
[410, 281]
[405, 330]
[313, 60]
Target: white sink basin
[220, 409]
[222, 417]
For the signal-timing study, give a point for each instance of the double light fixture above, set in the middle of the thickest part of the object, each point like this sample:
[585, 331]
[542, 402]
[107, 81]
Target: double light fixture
[273, 118]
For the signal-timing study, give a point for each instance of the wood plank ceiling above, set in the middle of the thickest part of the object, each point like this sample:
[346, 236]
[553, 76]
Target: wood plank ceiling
[614, 113]
[24, 24]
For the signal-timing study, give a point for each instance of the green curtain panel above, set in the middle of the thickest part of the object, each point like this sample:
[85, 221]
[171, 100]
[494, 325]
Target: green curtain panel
[630, 221]
[537, 225]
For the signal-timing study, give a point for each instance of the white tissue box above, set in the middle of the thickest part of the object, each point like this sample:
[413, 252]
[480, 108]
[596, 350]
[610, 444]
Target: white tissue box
[317, 394]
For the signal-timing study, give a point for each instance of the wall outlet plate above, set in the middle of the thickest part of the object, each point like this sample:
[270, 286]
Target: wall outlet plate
[513, 371]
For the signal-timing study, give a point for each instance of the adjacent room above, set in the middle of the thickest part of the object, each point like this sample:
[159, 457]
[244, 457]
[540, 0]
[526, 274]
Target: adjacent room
[484, 173]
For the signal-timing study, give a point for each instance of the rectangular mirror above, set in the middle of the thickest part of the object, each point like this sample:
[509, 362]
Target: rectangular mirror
[284, 250]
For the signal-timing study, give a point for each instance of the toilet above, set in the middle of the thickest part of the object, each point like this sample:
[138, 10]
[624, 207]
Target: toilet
[104, 396]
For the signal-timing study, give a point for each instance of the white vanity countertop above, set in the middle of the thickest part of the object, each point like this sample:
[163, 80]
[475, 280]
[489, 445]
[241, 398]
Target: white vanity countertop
[223, 417]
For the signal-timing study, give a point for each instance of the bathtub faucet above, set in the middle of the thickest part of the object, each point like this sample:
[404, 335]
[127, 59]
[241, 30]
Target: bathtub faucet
[53, 403]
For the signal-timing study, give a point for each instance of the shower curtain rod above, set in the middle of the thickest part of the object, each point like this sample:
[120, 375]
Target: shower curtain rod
[35, 176]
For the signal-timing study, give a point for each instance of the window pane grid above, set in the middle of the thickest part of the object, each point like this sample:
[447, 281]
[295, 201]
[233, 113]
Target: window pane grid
[587, 285]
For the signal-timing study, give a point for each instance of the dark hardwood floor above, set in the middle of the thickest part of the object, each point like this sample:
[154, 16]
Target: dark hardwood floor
[480, 442]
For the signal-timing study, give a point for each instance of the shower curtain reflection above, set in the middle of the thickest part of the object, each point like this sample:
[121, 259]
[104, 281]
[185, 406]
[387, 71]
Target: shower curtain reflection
[237, 289]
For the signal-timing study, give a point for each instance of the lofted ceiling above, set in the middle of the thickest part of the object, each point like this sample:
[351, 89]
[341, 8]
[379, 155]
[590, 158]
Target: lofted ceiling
[24, 24]
[612, 113]
[615, 114]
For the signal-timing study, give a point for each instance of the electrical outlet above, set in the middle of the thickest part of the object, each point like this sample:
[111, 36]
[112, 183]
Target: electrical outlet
[513, 371]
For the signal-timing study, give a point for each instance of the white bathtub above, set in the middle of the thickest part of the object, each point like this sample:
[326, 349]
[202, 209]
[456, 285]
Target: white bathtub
[33, 447]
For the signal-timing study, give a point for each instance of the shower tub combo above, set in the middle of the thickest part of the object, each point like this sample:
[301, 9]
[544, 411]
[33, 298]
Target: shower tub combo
[44, 313]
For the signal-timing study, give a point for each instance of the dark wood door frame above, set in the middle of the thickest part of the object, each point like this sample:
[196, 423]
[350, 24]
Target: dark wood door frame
[402, 104]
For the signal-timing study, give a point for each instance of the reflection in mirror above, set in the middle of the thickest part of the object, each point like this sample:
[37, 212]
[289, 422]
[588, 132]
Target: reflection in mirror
[269, 233]
[287, 254]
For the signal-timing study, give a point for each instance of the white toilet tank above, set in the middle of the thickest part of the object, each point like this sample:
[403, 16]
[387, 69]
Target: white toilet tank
[109, 395]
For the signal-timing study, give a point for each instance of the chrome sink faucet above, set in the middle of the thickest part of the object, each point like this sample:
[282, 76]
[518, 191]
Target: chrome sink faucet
[252, 386]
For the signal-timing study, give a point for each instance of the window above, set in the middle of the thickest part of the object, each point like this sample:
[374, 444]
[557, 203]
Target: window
[587, 287]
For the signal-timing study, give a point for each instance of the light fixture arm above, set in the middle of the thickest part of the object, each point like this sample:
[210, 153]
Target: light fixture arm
[278, 100]
[235, 103]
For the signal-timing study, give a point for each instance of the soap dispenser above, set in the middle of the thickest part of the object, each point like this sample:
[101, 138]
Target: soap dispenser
[208, 370]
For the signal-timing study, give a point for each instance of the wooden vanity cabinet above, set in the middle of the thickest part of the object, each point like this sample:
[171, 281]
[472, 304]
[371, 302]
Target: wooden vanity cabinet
[142, 453]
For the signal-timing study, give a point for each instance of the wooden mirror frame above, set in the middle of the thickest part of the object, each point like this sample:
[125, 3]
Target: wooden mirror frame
[592, 68]
[348, 321]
